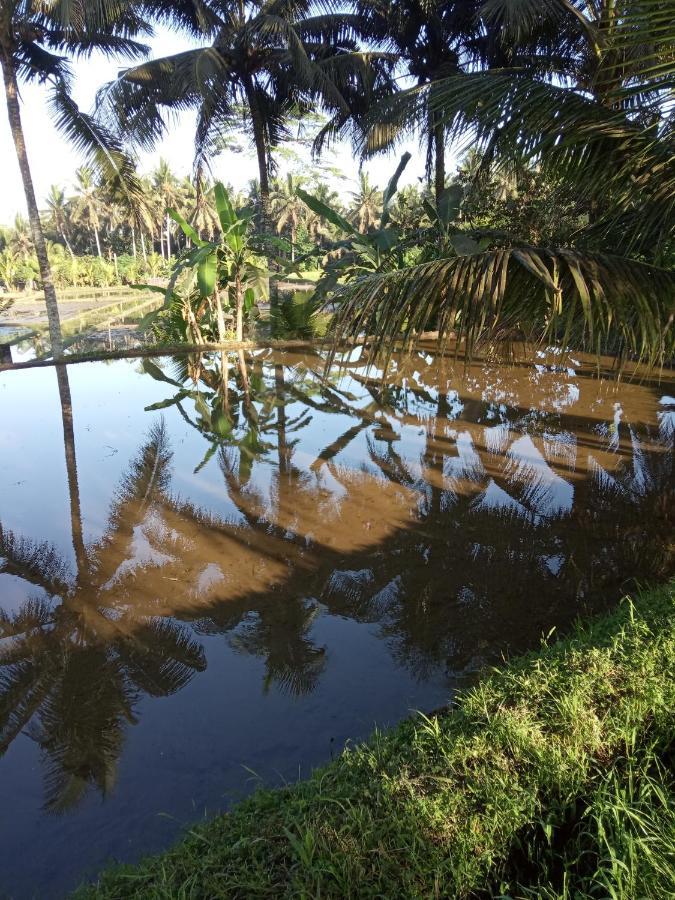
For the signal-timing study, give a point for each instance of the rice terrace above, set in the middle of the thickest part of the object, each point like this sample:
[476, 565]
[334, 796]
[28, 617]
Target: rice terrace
[337, 449]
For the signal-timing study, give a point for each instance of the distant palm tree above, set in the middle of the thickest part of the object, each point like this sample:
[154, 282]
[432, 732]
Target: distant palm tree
[35, 41]
[59, 210]
[288, 210]
[201, 209]
[366, 205]
[21, 239]
[88, 204]
[168, 194]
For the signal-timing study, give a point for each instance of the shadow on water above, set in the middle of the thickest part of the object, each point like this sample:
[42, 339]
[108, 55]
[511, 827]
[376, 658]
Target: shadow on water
[458, 520]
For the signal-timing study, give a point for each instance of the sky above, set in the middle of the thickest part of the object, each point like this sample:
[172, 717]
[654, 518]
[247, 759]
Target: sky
[53, 161]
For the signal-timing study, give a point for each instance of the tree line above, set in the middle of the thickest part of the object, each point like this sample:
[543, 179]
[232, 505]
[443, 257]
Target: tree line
[579, 93]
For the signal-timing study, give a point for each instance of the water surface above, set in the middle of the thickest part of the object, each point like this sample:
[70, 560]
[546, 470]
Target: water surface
[216, 572]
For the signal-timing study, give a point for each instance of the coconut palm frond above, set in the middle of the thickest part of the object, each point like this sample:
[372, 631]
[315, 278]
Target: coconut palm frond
[600, 302]
[520, 118]
[99, 146]
[161, 657]
[37, 563]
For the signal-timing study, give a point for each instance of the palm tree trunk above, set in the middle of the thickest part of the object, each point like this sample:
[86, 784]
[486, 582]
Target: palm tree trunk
[143, 250]
[98, 242]
[67, 243]
[261, 152]
[14, 116]
[439, 161]
[263, 170]
[133, 241]
[71, 470]
[283, 450]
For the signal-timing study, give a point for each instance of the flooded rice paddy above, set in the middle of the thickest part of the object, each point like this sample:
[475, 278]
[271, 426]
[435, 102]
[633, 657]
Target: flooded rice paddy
[216, 572]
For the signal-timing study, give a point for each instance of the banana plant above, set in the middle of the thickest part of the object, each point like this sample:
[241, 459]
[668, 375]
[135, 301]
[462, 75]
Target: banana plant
[222, 274]
[356, 254]
[443, 238]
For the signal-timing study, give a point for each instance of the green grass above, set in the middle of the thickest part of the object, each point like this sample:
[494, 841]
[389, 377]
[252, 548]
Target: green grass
[552, 777]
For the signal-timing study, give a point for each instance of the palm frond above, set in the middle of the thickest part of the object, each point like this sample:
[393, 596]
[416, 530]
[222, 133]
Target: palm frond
[100, 148]
[599, 302]
[520, 118]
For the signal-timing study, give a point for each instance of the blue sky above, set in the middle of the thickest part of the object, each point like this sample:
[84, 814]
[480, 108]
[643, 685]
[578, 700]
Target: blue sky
[54, 162]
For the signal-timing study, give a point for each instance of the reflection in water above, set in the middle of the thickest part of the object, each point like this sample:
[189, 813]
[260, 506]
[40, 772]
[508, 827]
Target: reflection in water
[459, 513]
[74, 663]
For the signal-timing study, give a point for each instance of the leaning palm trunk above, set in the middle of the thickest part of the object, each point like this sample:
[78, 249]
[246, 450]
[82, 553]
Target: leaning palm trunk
[71, 468]
[14, 116]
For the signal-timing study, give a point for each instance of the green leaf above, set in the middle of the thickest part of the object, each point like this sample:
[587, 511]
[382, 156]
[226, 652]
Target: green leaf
[165, 404]
[226, 212]
[249, 299]
[220, 423]
[326, 212]
[207, 274]
[188, 230]
[208, 456]
[431, 212]
[392, 187]
[155, 372]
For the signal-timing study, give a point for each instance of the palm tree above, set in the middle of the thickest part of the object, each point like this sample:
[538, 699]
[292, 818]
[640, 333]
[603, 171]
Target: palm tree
[287, 209]
[59, 211]
[21, 240]
[169, 194]
[202, 213]
[262, 63]
[74, 666]
[317, 227]
[35, 39]
[590, 113]
[88, 204]
[366, 204]
[430, 40]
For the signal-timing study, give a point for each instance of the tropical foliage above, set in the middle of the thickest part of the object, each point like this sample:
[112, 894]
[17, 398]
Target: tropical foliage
[558, 224]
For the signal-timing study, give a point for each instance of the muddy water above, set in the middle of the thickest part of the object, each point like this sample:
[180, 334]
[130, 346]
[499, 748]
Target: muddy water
[214, 573]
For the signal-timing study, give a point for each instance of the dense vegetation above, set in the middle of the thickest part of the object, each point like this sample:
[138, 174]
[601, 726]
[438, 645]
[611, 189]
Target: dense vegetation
[550, 778]
[558, 224]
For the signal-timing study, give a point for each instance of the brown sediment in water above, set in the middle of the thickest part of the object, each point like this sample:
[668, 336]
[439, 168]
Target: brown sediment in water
[454, 513]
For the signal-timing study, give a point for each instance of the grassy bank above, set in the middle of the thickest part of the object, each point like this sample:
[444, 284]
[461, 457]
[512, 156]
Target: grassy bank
[553, 777]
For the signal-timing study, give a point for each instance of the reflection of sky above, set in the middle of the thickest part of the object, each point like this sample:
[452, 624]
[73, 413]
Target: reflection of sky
[517, 446]
[110, 423]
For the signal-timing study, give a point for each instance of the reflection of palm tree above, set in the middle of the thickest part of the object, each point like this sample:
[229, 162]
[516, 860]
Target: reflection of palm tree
[483, 534]
[73, 664]
[279, 632]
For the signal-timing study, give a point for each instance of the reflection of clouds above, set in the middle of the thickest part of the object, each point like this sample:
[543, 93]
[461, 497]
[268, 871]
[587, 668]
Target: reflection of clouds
[666, 418]
[467, 465]
[544, 492]
[496, 499]
[142, 554]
